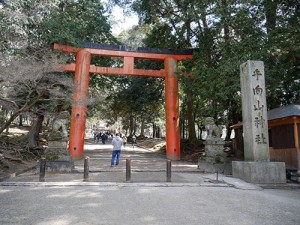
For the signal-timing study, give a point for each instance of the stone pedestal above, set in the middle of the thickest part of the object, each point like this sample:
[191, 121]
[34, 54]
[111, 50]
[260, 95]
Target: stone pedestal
[57, 145]
[58, 158]
[260, 172]
[215, 159]
[214, 150]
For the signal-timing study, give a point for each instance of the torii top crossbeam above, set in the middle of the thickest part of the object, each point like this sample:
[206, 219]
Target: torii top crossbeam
[82, 69]
[128, 54]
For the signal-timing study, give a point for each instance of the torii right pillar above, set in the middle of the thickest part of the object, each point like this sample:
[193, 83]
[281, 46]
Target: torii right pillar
[172, 108]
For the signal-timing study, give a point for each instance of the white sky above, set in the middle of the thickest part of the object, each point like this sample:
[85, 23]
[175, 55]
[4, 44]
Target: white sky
[120, 22]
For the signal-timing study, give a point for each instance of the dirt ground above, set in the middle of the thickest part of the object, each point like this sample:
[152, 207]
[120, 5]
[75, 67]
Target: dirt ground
[14, 158]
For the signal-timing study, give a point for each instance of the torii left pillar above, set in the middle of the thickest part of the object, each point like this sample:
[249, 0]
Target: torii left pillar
[79, 107]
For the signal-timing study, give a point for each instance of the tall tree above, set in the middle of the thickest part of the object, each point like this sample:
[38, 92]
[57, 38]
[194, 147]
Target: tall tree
[282, 64]
[139, 101]
[227, 34]
[37, 25]
[73, 22]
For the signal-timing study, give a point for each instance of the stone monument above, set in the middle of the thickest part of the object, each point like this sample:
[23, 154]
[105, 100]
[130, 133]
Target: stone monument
[215, 159]
[257, 167]
[57, 155]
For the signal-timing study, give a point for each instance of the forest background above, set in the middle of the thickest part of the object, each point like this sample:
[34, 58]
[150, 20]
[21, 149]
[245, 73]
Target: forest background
[226, 33]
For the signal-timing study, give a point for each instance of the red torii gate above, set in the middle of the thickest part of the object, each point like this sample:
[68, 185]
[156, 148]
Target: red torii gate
[83, 68]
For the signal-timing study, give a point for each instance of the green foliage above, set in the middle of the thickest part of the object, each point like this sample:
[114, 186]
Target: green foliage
[3, 32]
[73, 22]
[29, 30]
[140, 98]
[2, 116]
[228, 33]
[135, 36]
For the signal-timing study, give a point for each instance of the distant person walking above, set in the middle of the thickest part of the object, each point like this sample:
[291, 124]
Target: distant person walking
[103, 138]
[133, 140]
[124, 140]
[96, 136]
[117, 143]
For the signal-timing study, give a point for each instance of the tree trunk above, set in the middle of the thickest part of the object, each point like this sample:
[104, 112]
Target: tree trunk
[200, 131]
[226, 27]
[134, 126]
[10, 120]
[131, 126]
[270, 7]
[158, 133]
[33, 136]
[270, 10]
[190, 116]
[47, 122]
[20, 120]
[181, 128]
[207, 36]
[142, 129]
[154, 130]
[14, 115]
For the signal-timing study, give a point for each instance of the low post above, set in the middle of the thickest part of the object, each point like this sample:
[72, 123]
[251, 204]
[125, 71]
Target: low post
[128, 169]
[42, 169]
[86, 168]
[168, 170]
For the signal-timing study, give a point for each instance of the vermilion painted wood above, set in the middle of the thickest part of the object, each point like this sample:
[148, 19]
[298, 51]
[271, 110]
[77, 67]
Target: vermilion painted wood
[172, 108]
[121, 54]
[80, 95]
[82, 70]
[116, 71]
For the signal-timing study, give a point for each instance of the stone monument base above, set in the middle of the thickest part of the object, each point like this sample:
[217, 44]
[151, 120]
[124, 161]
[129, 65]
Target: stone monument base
[208, 167]
[58, 157]
[60, 144]
[214, 151]
[259, 172]
[63, 164]
[215, 159]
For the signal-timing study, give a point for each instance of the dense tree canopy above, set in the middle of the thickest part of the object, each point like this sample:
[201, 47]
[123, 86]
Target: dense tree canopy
[28, 66]
[227, 33]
